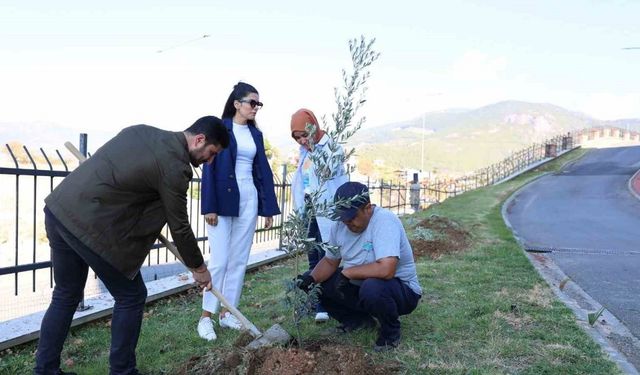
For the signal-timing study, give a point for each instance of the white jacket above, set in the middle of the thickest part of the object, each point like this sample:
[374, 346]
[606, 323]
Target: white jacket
[329, 188]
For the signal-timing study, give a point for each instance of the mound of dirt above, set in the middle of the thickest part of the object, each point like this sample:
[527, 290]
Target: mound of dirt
[317, 358]
[437, 235]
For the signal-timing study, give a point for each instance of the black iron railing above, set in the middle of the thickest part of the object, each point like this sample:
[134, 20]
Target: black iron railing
[29, 178]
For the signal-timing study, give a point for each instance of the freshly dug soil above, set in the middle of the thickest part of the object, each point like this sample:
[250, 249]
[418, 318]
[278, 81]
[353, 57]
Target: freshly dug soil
[316, 358]
[447, 237]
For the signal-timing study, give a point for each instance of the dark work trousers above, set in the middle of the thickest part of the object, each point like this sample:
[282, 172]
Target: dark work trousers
[71, 261]
[315, 253]
[384, 300]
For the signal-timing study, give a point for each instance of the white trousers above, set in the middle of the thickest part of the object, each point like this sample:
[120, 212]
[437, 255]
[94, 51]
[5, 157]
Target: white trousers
[230, 243]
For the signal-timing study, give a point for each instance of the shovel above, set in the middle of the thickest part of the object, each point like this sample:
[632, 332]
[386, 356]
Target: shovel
[275, 335]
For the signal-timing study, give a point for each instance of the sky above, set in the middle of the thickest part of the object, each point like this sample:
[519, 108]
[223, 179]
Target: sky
[95, 66]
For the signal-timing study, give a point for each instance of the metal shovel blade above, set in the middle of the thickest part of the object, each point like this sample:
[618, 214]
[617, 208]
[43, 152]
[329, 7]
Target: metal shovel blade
[275, 335]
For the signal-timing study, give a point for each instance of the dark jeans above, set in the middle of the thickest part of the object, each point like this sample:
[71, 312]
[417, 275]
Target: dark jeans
[384, 300]
[71, 261]
[315, 253]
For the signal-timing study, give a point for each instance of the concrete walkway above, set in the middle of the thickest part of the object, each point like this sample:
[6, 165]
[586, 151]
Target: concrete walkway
[27, 328]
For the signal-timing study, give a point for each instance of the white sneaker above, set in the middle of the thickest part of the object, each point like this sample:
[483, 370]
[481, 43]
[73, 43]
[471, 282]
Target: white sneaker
[322, 317]
[205, 329]
[230, 321]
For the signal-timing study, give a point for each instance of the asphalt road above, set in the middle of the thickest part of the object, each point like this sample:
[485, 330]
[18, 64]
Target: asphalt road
[590, 220]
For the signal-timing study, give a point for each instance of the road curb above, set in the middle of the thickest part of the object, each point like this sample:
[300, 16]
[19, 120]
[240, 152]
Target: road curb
[608, 330]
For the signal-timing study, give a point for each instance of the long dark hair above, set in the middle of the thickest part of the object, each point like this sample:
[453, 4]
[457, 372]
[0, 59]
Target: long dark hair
[240, 90]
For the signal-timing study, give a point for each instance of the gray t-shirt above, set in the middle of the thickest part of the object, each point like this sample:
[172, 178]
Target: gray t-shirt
[384, 237]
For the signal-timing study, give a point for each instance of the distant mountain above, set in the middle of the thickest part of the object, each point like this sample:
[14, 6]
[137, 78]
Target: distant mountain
[455, 141]
[461, 141]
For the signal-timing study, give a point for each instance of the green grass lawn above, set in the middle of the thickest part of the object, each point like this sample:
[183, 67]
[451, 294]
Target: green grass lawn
[484, 311]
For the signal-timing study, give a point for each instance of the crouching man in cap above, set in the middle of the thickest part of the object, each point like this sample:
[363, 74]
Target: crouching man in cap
[378, 275]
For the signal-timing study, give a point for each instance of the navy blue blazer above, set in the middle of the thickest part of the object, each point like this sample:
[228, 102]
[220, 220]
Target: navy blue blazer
[220, 194]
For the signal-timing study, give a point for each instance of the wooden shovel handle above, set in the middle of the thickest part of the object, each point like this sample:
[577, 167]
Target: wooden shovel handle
[72, 149]
[245, 322]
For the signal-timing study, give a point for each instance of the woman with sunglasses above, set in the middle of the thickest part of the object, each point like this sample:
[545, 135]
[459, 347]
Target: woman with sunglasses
[310, 178]
[236, 187]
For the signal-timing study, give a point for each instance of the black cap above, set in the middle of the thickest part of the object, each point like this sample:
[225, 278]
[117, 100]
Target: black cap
[352, 196]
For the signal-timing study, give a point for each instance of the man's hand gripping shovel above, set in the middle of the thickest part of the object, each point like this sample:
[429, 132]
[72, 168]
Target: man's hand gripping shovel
[275, 335]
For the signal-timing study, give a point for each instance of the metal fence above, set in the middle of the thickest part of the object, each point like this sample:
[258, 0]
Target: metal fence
[440, 189]
[25, 265]
[390, 195]
[26, 277]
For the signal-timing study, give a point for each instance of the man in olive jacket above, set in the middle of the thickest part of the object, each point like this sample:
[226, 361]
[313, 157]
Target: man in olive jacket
[107, 214]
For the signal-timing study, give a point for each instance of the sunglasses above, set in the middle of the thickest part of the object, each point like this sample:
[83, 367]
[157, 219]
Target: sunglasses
[252, 103]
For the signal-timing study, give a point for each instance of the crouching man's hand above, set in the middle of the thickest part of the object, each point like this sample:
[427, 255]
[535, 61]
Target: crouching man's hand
[202, 277]
[304, 281]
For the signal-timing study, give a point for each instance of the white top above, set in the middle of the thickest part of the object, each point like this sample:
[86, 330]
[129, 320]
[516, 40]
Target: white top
[383, 237]
[246, 151]
[306, 169]
[306, 179]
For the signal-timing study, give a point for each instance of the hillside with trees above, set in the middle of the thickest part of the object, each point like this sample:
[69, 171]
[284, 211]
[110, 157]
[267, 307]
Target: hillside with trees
[460, 141]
